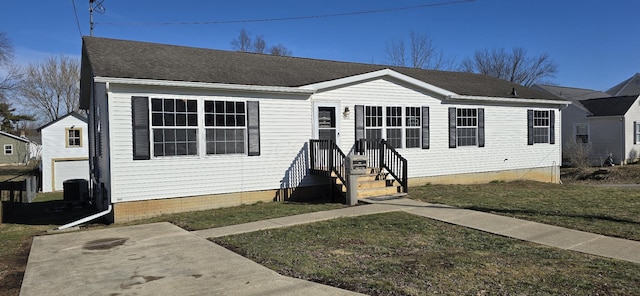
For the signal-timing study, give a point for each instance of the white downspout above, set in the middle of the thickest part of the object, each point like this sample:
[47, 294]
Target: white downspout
[86, 219]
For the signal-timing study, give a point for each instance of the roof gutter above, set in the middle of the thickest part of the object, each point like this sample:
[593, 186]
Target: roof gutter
[506, 100]
[207, 85]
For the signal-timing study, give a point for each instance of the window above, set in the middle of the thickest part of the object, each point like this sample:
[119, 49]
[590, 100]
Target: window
[412, 127]
[582, 133]
[8, 149]
[394, 126]
[541, 126]
[179, 127]
[373, 122]
[74, 137]
[636, 130]
[466, 127]
[225, 124]
[174, 124]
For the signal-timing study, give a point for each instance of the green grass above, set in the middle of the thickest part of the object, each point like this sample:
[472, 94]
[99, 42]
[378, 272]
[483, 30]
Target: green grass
[401, 254]
[607, 211]
[238, 215]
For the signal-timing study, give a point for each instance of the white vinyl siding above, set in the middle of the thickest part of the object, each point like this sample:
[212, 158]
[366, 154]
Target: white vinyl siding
[286, 125]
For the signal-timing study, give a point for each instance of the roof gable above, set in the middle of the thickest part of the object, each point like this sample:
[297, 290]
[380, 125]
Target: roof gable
[73, 113]
[3, 133]
[141, 60]
[628, 87]
[612, 106]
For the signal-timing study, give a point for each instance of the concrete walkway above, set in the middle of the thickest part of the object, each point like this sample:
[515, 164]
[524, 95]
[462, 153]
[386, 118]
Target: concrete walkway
[163, 259]
[544, 234]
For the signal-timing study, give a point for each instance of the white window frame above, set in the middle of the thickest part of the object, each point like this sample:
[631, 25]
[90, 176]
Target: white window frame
[412, 122]
[541, 122]
[466, 120]
[10, 149]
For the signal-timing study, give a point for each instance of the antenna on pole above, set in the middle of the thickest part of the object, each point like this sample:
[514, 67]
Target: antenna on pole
[97, 7]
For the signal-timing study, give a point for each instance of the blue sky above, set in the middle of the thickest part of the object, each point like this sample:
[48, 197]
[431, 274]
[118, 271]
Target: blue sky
[595, 43]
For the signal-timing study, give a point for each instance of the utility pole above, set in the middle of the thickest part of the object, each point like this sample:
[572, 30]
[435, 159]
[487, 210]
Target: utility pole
[91, 17]
[97, 7]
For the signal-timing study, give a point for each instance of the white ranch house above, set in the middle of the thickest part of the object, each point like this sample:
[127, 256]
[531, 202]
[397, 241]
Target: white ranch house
[65, 152]
[174, 128]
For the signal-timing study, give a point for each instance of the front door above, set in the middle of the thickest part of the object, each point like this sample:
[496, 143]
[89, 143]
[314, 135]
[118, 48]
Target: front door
[326, 122]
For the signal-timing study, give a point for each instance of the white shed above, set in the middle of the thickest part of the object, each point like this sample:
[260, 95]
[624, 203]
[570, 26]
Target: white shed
[65, 153]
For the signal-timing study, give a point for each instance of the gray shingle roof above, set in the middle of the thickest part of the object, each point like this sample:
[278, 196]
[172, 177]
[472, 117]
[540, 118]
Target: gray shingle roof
[104, 57]
[628, 87]
[612, 106]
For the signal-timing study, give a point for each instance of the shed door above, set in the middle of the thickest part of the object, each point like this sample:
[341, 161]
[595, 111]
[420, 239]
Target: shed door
[69, 169]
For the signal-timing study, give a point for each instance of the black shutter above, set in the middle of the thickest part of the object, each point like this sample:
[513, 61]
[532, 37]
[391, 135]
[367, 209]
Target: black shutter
[253, 128]
[552, 127]
[140, 125]
[359, 122]
[452, 127]
[425, 127]
[480, 127]
[530, 127]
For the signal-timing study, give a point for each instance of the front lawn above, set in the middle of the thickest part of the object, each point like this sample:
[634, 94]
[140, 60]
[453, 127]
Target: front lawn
[402, 254]
[607, 211]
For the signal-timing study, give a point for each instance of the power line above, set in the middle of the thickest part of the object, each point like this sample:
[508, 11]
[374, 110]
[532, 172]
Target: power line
[291, 18]
[75, 12]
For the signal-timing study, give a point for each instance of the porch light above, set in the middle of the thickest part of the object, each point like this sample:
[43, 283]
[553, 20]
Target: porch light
[346, 112]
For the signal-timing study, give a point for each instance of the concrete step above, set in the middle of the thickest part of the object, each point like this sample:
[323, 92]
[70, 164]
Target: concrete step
[372, 192]
[374, 184]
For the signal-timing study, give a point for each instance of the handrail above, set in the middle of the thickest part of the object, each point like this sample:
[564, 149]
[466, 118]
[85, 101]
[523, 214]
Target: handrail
[382, 155]
[326, 158]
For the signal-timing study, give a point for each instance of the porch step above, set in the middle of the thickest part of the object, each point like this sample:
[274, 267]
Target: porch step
[382, 191]
[368, 184]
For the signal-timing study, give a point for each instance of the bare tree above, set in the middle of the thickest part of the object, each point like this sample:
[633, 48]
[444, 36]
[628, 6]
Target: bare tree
[9, 72]
[244, 43]
[513, 66]
[423, 53]
[259, 45]
[52, 86]
[279, 50]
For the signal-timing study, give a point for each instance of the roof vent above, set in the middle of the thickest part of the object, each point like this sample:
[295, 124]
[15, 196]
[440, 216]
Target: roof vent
[513, 92]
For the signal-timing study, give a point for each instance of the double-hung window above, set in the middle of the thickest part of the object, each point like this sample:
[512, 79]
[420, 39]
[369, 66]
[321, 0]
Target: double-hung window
[582, 133]
[373, 122]
[394, 126]
[175, 127]
[8, 149]
[412, 129]
[466, 127]
[225, 125]
[636, 132]
[541, 126]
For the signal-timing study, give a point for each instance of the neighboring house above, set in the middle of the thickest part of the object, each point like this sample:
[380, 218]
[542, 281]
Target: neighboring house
[15, 150]
[629, 87]
[575, 121]
[174, 128]
[614, 125]
[65, 153]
